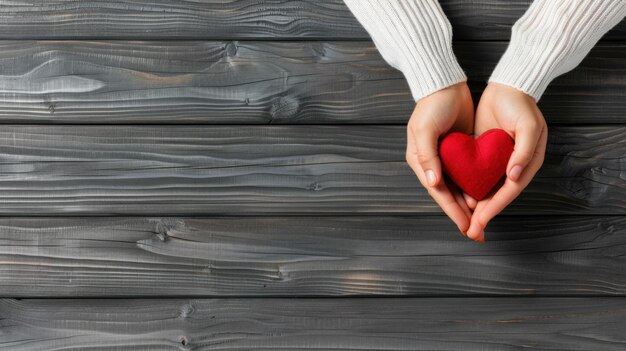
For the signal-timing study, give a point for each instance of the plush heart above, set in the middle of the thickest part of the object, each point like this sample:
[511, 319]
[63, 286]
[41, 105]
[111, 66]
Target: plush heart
[476, 165]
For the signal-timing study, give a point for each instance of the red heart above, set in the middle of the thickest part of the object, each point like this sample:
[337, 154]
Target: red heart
[476, 165]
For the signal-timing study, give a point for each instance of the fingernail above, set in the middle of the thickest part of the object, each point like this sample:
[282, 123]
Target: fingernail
[515, 172]
[430, 176]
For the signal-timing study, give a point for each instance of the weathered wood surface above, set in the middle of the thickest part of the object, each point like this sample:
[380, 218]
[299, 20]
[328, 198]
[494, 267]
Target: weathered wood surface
[309, 256]
[315, 324]
[271, 19]
[247, 170]
[172, 211]
[261, 82]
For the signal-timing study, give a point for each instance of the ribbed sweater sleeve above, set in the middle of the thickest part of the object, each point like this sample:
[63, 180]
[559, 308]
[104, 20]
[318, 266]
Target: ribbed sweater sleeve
[413, 36]
[552, 38]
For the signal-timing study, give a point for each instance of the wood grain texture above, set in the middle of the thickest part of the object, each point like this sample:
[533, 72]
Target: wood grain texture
[309, 256]
[154, 19]
[271, 19]
[238, 82]
[242, 210]
[315, 324]
[493, 19]
[248, 170]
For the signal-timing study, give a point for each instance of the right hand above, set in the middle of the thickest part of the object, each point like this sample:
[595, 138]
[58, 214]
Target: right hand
[505, 107]
[449, 109]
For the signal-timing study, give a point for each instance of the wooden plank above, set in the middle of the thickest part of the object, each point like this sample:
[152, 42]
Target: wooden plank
[309, 256]
[493, 19]
[248, 170]
[155, 19]
[260, 83]
[315, 324]
[270, 19]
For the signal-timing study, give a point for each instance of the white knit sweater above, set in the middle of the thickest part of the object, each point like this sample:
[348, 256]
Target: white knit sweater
[551, 38]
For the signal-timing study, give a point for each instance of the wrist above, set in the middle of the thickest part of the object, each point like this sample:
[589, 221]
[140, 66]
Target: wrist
[502, 88]
[455, 92]
[442, 73]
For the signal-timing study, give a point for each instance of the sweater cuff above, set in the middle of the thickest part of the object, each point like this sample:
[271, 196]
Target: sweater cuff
[414, 37]
[552, 38]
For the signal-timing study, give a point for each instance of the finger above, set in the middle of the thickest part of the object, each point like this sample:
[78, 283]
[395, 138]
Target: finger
[444, 198]
[470, 201]
[450, 205]
[441, 194]
[502, 198]
[487, 209]
[527, 133]
[460, 200]
[476, 231]
[426, 145]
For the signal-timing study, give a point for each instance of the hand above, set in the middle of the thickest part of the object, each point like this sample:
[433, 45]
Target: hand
[449, 109]
[512, 110]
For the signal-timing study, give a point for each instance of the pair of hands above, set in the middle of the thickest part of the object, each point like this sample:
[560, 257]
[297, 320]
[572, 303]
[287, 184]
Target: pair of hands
[452, 109]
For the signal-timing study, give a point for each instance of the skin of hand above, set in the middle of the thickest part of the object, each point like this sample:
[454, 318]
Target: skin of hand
[516, 112]
[449, 109]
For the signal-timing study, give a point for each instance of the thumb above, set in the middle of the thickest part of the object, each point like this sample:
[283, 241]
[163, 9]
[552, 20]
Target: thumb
[526, 140]
[426, 143]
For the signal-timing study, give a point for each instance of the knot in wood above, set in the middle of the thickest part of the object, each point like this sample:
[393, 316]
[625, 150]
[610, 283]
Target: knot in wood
[161, 231]
[231, 49]
[186, 310]
[315, 186]
[284, 107]
[319, 50]
[184, 341]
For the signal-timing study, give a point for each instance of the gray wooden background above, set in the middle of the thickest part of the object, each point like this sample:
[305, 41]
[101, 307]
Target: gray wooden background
[230, 175]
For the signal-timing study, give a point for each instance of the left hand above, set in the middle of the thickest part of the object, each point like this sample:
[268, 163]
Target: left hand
[510, 109]
[448, 109]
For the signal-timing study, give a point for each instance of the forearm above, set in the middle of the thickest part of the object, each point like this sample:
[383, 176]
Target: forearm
[552, 38]
[415, 37]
